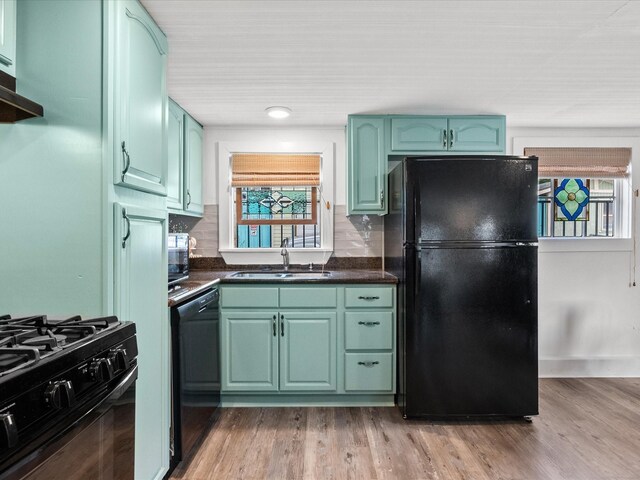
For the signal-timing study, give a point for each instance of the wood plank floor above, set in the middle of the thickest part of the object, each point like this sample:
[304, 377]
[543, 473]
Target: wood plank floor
[588, 429]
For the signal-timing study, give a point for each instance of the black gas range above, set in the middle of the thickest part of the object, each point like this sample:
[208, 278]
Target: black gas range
[67, 386]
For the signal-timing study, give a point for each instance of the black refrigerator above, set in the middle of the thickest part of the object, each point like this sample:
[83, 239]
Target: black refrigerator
[461, 237]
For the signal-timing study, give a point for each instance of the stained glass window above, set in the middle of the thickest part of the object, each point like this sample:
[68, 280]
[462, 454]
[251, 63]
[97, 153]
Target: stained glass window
[267, 215]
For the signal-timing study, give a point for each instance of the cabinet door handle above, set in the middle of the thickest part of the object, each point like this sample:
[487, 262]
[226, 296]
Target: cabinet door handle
[282, 325]
[274, 326]
[450, 138]
[368, 364]
[188, 198]
[368, 324]
[362, 297]
[444, 139]
[128, 234]
[382, 198]
[126, 159]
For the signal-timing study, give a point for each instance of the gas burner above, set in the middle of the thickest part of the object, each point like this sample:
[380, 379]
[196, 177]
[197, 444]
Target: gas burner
[25, 340]
[48, 342]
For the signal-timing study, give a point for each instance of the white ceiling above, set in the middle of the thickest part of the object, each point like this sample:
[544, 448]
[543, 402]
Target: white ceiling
[541, 63]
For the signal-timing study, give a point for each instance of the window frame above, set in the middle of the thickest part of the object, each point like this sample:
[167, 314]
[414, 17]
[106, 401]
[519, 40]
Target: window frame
[226, 203]
[622, 239]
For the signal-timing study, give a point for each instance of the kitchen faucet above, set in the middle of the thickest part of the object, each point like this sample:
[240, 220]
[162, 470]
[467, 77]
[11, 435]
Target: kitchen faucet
[285, 253]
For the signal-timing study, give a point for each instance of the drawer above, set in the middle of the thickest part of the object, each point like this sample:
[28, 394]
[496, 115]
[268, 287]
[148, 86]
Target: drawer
[249, 297]
[308, 297]
[368, 297]
[368, 330]
[368, 372]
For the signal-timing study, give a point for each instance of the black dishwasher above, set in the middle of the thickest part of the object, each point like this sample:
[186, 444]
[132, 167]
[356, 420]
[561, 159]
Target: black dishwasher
[196, 372]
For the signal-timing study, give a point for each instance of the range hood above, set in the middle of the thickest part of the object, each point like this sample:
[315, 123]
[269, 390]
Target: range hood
[14, 107]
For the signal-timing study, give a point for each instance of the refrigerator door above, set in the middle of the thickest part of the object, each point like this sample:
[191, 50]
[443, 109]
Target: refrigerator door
[471, 341]
[479, 199]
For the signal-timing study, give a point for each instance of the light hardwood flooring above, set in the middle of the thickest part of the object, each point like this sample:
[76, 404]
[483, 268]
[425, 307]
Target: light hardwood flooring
[588, 429]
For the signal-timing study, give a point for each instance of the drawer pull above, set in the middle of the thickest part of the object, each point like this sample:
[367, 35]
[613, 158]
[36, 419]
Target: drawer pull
[368, 324]
[368, 364]
[362, 297]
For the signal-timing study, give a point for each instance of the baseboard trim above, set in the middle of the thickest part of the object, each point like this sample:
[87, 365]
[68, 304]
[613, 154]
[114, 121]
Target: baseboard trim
[567, 367]
[285, 400]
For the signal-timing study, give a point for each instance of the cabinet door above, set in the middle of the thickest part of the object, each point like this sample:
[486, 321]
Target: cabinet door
[141, 296]
[307, 351]
[249, 350]
[419, 134]
[175, 175]
[367, 165]
[194, 137]
[140, 140]
[8, 36]
[477, 134]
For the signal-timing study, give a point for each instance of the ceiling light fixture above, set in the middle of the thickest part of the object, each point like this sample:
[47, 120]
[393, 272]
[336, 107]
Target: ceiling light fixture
[278, 112]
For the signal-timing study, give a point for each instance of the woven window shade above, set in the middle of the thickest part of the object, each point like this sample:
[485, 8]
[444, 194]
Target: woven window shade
[581, 162]
[274, 170]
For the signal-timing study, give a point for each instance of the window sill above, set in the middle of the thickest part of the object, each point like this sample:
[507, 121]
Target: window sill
[271, 256]
[551, 245]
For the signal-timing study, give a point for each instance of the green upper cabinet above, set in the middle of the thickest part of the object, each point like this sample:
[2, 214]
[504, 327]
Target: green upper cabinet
[8, 36]
[193, 139]
[447, 134]
[419, 134]
[141, 102]
[307, 351]
[367, 165]
[477, 134]
[175, 177]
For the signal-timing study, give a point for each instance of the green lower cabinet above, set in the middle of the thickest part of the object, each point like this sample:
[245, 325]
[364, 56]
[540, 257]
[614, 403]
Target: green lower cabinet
[368, 372]
[249, 351]
[309, 345]
[308, 351]
[140, 257]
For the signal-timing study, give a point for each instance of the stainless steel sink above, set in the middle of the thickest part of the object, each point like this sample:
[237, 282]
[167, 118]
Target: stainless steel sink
[280, 275]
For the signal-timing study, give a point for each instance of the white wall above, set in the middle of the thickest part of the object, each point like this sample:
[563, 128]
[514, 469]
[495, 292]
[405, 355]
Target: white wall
[589, 314]
[285, 140]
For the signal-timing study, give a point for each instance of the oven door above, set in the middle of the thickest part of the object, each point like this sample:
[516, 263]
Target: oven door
[99, 445]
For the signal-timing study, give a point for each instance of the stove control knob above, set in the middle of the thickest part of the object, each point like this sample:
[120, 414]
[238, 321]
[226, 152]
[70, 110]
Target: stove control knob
[119, 359]
[101, 370]
[8, 431]
[60, 394]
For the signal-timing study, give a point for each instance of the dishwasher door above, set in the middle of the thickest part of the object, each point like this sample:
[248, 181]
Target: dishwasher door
[196, 371]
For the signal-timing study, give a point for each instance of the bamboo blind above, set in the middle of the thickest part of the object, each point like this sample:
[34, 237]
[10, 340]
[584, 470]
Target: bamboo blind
[581, 162]
[274, 170]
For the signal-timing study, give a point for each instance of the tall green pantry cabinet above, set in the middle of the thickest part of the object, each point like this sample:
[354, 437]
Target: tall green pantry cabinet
[136, 129]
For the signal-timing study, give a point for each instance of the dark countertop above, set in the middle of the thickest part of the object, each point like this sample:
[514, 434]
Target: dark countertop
[200, 280]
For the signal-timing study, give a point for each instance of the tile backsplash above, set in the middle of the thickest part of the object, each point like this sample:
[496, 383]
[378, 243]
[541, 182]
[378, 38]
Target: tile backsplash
[354, 236]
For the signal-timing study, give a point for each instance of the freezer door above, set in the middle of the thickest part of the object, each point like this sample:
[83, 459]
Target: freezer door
[471, 340]
[480, 199]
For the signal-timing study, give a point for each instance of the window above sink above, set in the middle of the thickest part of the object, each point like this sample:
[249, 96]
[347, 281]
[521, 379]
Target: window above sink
[269, 194]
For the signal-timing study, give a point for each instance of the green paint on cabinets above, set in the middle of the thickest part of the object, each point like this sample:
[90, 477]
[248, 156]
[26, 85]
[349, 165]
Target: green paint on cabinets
[419, 134]
[141, 297]
[8, 36]
[367, 165]
[194, 139]
[184, 182]
[175, 153]
[477, 134]
[279, 340]
[307, 351]
[141, 109]
[249, 350]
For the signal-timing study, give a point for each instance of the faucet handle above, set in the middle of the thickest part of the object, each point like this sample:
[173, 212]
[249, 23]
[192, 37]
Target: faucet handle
[311, 266]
